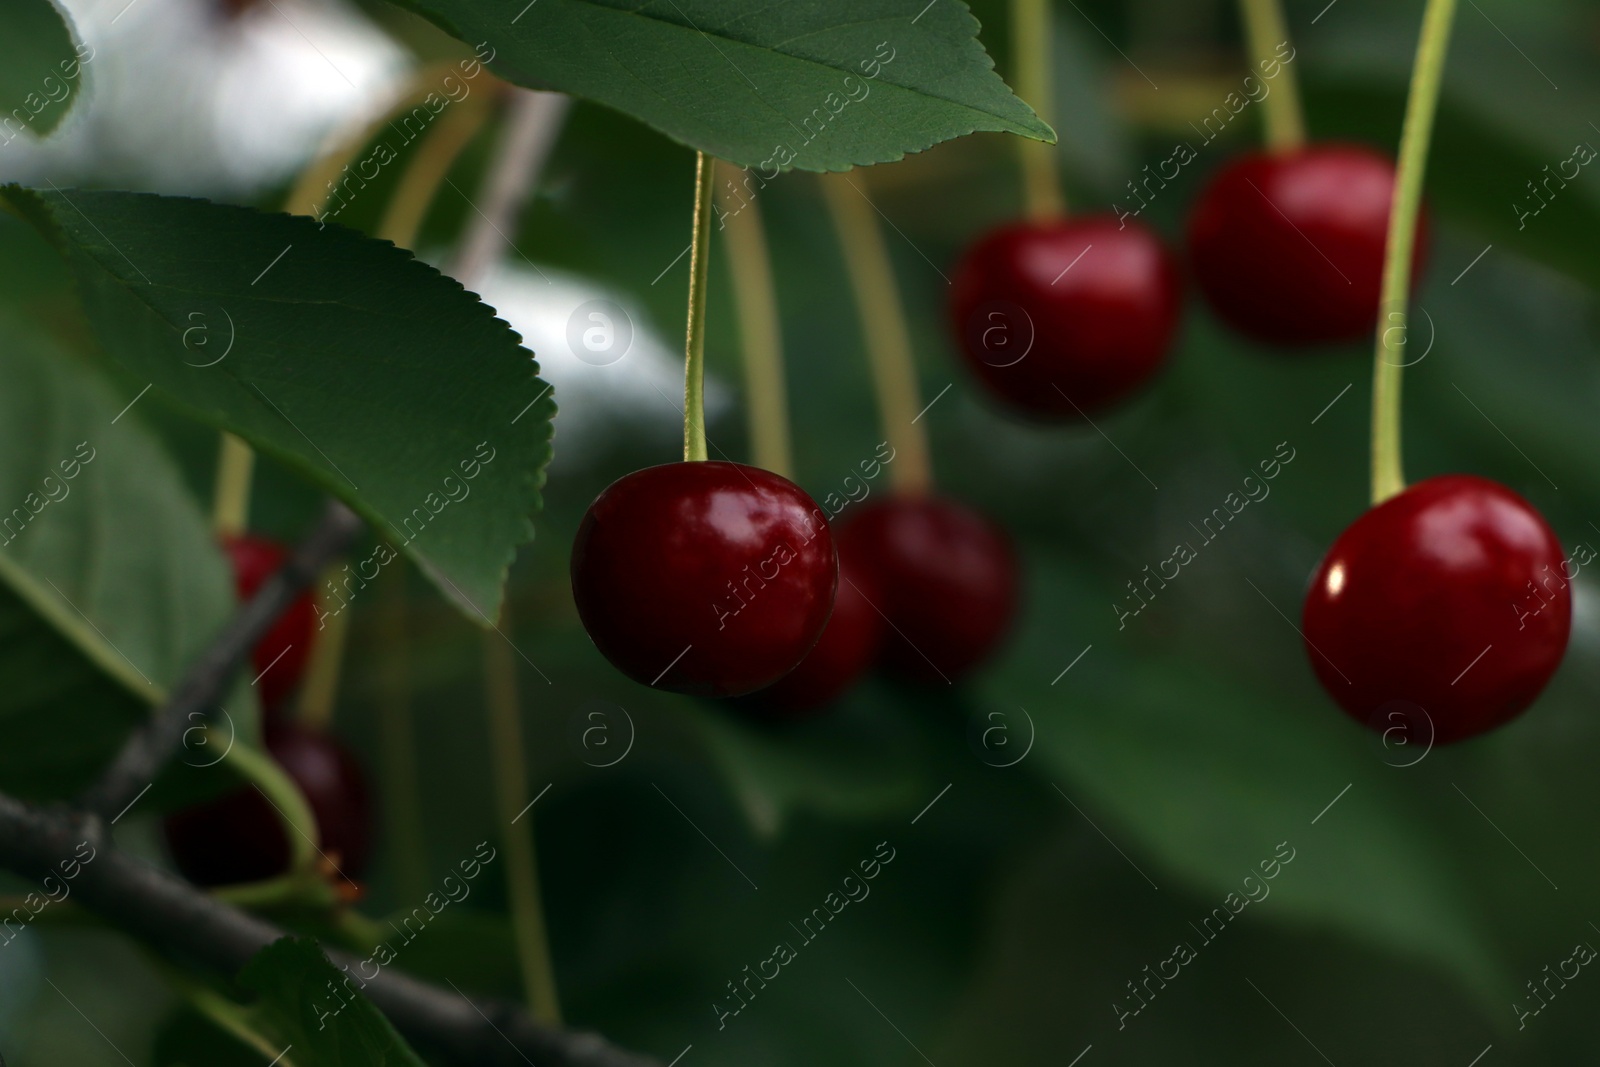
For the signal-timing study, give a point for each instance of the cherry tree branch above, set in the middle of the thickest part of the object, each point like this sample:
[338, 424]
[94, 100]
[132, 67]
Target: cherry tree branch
[155, 742]
[180, 921]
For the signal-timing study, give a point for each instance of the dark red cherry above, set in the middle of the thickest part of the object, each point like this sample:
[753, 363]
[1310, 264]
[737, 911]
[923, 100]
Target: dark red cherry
[706, 578]
[240, 837]
[280, 657]
[1062, 319]
[946, 580]
[1441, 612]
[1288, 248]
[848, 647]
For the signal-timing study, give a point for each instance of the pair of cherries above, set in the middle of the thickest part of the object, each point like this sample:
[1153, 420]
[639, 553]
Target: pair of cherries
[1437, 615]
[1064, 319]
[724, 580]
[239, 837]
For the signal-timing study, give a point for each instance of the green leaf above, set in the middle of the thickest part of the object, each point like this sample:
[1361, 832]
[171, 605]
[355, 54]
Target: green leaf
[109, 579]
[1201, 775]
[815, 84]
[374, 375]
[858, 761]
[40, 68]
[313, 1008]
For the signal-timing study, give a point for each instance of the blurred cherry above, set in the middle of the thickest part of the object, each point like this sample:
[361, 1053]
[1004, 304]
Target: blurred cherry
[946, 579]
[842, 655]
[281, 655]
[1063, 319]
[1288, 248]
[240, 837]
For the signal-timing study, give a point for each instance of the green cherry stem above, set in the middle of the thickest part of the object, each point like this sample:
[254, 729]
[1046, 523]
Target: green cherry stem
[397, 742]
[1388, 477]
[234, 1019]
[294, 811]
[427, 170]
[1032, 41]
[1265, 29]
[510, 774]
[694, 361]
[532, 127]
[230, 499]
[760, 331]
[883, 325]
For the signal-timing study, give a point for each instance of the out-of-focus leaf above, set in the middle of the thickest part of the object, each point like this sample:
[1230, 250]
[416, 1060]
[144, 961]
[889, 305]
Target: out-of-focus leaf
[310, 1004]
[856, 761]
[817, 84]
[110, 582]
[1201, 776]
[373, 374]
[41, 69]
[1067, 934]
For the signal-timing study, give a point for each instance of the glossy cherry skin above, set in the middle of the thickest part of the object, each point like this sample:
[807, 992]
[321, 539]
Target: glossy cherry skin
[1288, 248]
[946, 579]
[847, 649]
[283, 653]
[707, 578]
[1452, 597]
[1060, 320]
[240, 837]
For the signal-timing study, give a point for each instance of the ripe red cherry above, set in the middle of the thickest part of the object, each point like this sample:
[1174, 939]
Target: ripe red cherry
[1288, 248]
[1451, 598]
[946, 578]
[1062, 319]
[240, 837]
[846, 650]
[707, 578]
[283, 652]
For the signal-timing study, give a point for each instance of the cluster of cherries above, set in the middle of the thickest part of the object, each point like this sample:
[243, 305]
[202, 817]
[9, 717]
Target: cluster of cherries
[240, 837]
[1440, 613]
[726, 580]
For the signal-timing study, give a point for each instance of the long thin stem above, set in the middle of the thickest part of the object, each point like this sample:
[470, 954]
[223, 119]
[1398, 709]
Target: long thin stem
[760, 333]
[299, 821]
[1388, 477]
[1265, 30]
[694, 356]
[511, 791]
[230, 500]
[227, 1015]
[319, 694]
[429, 166]
[1033, 42]
[314, 187]
[883, 325]
[397, 743]
[532, 127]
